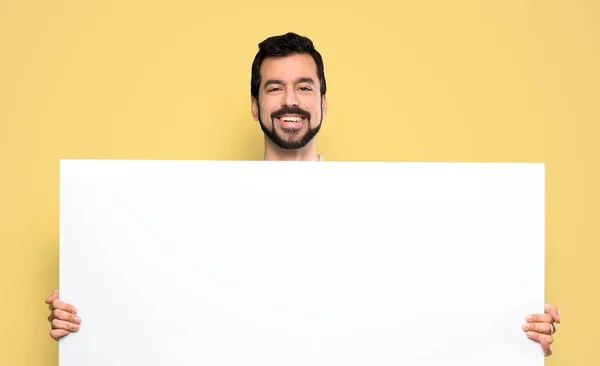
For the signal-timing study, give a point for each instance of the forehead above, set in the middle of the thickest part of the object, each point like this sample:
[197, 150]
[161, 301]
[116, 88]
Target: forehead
[288, 68]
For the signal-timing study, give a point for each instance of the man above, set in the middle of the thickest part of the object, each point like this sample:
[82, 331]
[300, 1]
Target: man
[288, 100]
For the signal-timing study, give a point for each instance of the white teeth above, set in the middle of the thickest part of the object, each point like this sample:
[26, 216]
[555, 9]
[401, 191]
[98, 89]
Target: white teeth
[291, 119]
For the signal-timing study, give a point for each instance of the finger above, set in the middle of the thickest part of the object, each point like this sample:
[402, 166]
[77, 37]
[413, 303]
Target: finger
[540, 318]
[546, 343]
[57, 334]
[53, 296]
[66, 316]
[545, 328]
[543, 339]
[552, 310]
[61, 305]
[61, 324]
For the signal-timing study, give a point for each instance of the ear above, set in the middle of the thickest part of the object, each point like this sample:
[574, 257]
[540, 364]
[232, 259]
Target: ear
[254, 108]
[323, 107]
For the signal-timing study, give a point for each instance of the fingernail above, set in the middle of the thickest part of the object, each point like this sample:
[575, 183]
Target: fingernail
[529, 318]
[74, 310]
[77, 320]
[558, 314]
[76, 327]
[530, 334]
[525, 326]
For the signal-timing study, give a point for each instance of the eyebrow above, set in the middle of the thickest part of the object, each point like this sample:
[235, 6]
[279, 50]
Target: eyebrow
[298, 81]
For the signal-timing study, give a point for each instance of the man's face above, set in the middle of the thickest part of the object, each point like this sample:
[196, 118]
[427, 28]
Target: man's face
[289, 107]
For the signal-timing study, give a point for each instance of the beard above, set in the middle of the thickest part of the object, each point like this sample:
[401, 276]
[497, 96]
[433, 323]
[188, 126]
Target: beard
[286, 144]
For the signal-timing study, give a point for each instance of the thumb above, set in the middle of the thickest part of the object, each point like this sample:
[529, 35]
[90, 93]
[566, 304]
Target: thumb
[53, 296]
[552, 310]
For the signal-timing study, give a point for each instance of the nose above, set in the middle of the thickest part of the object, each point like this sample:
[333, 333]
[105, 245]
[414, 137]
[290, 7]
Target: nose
[290, 98]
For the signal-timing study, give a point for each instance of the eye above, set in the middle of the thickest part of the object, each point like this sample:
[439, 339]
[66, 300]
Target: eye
[273, 89]
[305, 88]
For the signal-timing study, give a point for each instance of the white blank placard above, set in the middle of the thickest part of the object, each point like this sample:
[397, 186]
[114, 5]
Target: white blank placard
[301, 264]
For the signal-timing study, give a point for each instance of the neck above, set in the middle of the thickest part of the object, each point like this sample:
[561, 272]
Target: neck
[306, 153]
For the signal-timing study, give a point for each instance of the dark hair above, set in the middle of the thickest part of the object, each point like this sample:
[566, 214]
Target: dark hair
[281, 46]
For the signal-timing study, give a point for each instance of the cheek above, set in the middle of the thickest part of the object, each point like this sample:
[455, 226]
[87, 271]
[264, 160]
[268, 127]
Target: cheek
[312, 105]
[316, 114]
[264, 113]
[266, 108]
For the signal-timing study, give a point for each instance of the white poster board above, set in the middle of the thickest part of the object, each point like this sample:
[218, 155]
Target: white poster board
[301, 264]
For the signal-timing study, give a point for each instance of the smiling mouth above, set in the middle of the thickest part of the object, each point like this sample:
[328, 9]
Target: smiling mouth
[290, 122]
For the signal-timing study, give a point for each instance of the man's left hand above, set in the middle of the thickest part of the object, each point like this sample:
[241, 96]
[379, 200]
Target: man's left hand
[541, 327]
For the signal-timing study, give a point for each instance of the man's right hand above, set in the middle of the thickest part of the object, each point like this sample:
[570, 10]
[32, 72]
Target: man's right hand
[63, 317]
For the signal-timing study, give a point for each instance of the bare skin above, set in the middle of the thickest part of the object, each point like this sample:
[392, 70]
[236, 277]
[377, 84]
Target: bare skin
[63, 317]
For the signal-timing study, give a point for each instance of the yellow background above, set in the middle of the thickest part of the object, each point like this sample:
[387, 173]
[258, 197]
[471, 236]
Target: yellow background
[408, 81]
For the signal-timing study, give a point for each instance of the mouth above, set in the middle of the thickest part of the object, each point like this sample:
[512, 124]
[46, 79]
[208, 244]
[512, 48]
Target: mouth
[290, 121]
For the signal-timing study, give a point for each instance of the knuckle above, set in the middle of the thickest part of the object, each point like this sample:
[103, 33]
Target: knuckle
[55, 323]
[545, 343]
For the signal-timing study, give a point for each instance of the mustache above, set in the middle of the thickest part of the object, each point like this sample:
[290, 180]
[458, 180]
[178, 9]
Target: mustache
[290, 110]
